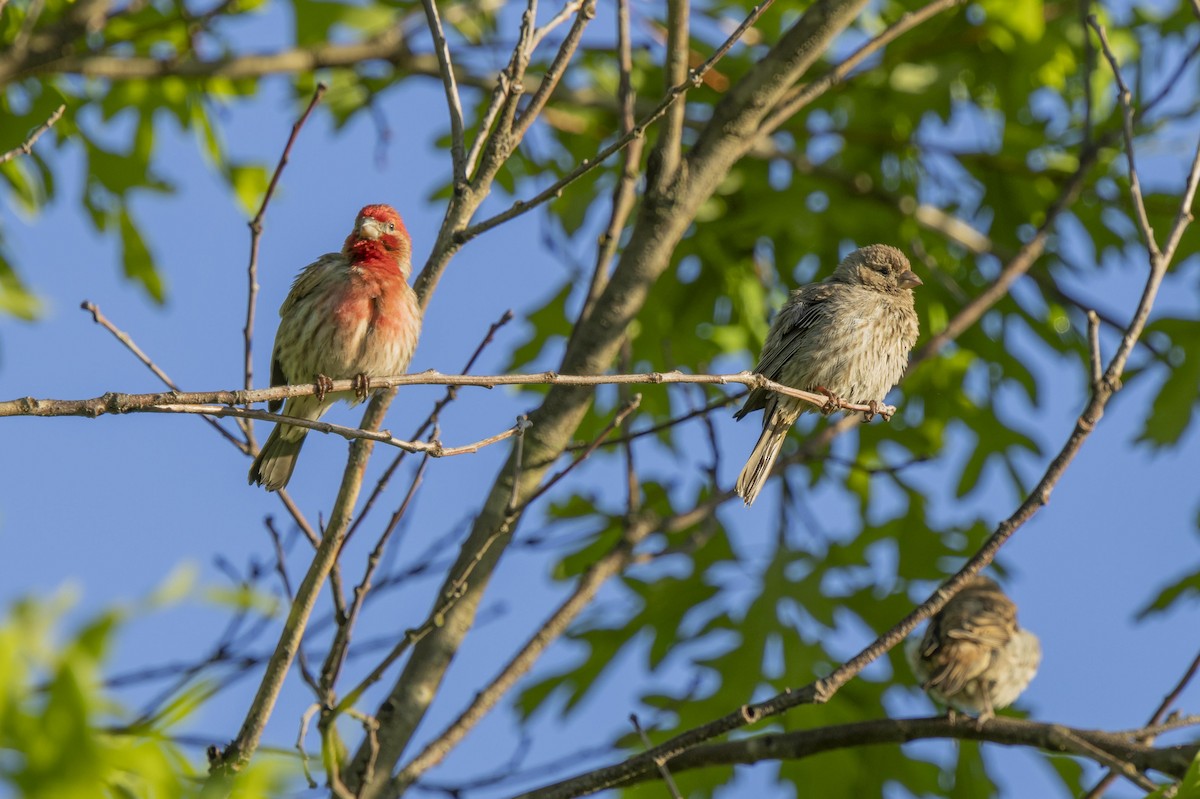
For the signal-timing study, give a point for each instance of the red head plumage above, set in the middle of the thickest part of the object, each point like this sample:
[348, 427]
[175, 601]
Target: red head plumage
[380, 227]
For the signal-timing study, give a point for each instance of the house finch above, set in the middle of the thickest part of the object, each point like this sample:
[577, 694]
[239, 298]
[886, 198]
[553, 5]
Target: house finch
[349, 315]
[973, 656]
[847, 337]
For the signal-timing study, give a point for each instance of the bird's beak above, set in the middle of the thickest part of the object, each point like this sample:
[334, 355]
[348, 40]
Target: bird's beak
[370, 229]
[909, 279]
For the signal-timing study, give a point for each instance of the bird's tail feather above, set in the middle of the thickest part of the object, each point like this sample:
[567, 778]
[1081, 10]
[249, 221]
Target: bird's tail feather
[758, 468]
[273, 467]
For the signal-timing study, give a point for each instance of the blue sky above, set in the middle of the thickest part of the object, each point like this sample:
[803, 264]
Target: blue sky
[108, 508]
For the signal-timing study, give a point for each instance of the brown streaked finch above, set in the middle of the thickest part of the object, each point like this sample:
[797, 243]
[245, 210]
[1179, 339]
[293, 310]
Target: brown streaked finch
[349, 315]
[973, 656]
[847, 337]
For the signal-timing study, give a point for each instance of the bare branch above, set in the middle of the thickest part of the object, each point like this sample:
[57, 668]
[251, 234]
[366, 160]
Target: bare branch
[554, 72]
[1054, 738]
[589, 584]
[26, 147]
[457, 147]
[624, 193]
[801, 97]
[430, 421]
[1094, 346]
[131, 345]
[667, 154]
[204, 402]
[587, 165]
[435, 449]
[1125, 97]
[256, 229]
[662, 767]
[564, 13]
[823, 690]
[238, 753]
[336, 657]
[613, 424]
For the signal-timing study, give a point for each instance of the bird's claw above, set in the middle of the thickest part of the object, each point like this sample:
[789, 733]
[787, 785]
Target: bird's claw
[874, 411]
[324, 386]
[362, 386]
[832, 404]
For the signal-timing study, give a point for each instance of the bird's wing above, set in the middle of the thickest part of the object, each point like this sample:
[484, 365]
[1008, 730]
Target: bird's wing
[786, 337]
[805, 307]
[975, 628]
[309, 279]
[988, 619]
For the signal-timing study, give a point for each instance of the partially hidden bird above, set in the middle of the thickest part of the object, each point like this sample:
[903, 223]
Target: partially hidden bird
[974, 657]
[847, 337]
[349, 315]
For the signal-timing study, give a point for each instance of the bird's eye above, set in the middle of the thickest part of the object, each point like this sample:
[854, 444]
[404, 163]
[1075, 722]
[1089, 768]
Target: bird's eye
[391, 226]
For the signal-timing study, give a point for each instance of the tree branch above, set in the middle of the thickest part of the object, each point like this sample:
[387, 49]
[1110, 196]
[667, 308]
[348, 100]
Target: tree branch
[823, 690]
[648, 253]
[216, 402]
[1054, 738]
[458, 154]
[26, 147]
[256, 229]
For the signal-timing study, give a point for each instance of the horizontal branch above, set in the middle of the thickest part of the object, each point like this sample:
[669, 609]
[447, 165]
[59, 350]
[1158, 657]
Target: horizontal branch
[190, 401]
[434, 449]
[1056, 738]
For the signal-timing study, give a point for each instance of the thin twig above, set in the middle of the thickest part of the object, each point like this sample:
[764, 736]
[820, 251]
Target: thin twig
[590, 583]
[26, 147]
[662, 767]
[305, 720]
[223, 764]
[1155, 719]
[1089, 750]
[554, 73]
[435, 449]
[613, 424]
[1094, 346]
[202, 402]
[281, 570]
[453, 102]
[802, 96]
[822, 690]
[336, 658]
[625, 192]
[485, 125]
[256, 229]
[132, 346]
[430, 421]
[1126, 101]
[564, 13]
[667, 154]
[669, 423]
[588, 164]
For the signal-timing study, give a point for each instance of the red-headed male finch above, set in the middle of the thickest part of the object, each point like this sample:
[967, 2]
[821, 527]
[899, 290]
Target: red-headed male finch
[350, 314]
[847, 337]
[973, 656]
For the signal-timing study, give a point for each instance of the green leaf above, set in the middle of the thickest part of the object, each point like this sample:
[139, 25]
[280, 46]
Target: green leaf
[15, 298]
[1175, 405]
[1189, 786]
[249, 183]
[139, 264]
[1186, 587]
